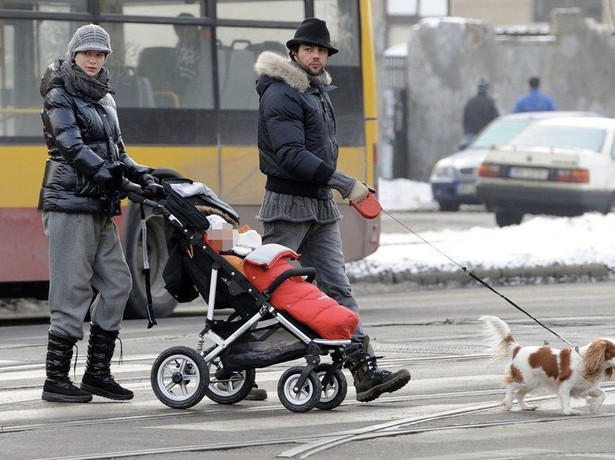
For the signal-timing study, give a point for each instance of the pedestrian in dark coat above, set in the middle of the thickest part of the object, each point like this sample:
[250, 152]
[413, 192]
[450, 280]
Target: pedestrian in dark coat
[478, 111]
[298, 153]
[86, 175]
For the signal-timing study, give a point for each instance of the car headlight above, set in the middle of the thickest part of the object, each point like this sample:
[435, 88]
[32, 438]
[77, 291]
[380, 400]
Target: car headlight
[440, 172]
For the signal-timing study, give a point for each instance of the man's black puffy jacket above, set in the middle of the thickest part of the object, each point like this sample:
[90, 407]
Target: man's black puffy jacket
[297, 143]
[83, 137]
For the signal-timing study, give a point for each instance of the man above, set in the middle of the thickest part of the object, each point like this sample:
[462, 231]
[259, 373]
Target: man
[298, 153]
[478, 111]
[534, 100]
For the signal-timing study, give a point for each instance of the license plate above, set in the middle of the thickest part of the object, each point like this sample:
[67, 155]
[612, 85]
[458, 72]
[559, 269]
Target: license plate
[466, 189]
[528, 173]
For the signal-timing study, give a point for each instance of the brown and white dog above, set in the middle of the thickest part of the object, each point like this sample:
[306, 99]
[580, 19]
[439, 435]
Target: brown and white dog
[567, 372]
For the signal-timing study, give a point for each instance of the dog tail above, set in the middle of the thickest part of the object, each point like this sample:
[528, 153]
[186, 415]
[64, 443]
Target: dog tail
[499, 338]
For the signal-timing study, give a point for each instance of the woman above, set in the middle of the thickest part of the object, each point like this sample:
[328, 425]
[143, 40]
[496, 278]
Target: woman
[86, 175]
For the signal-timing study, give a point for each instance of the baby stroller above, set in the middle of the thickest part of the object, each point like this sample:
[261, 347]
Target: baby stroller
[243, 329]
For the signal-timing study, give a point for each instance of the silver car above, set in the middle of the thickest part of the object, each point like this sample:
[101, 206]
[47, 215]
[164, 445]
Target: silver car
[453, 178]
[561, 167]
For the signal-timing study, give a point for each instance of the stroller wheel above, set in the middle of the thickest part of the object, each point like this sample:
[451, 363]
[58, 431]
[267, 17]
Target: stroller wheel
[179, 377]
[228, 387]
[334, 393]
[308, 395]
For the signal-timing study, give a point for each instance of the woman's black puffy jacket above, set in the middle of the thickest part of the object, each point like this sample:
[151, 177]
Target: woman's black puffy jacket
[84, 142]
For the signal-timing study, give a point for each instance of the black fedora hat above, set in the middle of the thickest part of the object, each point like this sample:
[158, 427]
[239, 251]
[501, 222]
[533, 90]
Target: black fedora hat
[312, 31]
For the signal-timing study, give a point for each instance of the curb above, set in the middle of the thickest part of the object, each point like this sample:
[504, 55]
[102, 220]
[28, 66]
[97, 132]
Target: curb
[549, 274]
[406, 281]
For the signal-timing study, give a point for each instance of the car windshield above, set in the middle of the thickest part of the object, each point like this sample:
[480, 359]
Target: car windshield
[499, 132]
[575, 137]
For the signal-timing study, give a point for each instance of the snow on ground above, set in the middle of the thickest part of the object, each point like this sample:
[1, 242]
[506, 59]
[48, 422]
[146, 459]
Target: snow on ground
[538, 241]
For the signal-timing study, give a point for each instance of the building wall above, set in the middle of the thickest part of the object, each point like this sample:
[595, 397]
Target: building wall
[496, 12]
[447, 57]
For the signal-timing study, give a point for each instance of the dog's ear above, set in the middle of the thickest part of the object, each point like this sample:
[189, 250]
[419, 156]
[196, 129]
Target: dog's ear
[595, 358]
[609, 352]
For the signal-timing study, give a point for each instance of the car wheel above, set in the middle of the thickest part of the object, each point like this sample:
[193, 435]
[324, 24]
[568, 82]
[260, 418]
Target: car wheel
[505, 219]
[448, 206]
[610, 207]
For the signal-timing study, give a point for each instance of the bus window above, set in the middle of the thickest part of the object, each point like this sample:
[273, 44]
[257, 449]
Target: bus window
[58, 6]
[343, 24]
[25, 52]
[168, 65]
[262, 10]
[238, 48]
[167, 8]
[342, 17]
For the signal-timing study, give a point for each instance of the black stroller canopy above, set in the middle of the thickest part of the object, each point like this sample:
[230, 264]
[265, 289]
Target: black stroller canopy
[185, 197]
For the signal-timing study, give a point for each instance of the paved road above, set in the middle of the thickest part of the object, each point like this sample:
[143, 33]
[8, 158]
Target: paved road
[434, 333]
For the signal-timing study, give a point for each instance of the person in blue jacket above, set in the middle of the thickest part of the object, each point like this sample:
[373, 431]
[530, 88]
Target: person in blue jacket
[534, 100]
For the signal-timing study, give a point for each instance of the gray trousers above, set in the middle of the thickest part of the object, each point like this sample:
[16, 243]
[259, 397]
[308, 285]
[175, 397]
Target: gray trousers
[320, 246]
[85, 254]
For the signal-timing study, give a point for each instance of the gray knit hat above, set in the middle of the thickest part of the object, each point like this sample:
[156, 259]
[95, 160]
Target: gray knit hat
[89, 38]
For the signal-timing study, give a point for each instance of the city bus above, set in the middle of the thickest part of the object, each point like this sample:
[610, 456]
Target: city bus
[184, 80]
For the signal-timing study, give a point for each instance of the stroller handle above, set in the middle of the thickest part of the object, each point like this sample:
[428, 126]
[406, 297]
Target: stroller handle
[157, 208]
[303, 271]
[135, 197]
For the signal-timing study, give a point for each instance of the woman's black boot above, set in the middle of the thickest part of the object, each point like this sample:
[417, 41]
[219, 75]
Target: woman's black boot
[97, 378]
[58, 386]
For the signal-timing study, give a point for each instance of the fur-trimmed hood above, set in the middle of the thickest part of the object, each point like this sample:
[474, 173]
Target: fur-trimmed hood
[278, 67]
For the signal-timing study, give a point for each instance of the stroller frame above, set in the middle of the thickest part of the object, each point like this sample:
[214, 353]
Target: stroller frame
[225, 373]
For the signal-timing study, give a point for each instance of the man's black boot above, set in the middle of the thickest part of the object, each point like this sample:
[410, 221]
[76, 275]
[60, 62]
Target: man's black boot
[97, 378]
[58, 386]
[369, 381]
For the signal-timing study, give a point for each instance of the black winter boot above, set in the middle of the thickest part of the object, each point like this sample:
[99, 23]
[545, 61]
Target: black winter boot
[257, 394]
[97, 378]
[58, 386]
[369, 381]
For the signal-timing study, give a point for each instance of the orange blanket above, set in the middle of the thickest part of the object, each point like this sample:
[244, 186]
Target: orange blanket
[300, 299]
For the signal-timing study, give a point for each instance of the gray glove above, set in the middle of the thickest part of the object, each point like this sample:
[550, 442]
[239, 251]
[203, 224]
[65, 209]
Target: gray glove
[341, 183]
[359, 192]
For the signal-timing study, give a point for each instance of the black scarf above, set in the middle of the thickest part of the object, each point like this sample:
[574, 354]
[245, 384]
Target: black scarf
[78, 83]
[318, 80]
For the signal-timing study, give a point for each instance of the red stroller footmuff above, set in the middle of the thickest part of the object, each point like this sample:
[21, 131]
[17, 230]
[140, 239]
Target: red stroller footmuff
[300, 299]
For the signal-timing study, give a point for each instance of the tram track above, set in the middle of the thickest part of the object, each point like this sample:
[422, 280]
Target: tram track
[406, 427]
[219, 409]
[307, 446]
[452, 391]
